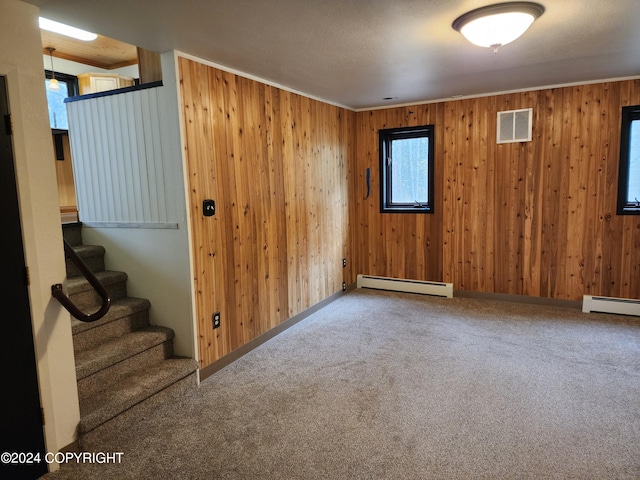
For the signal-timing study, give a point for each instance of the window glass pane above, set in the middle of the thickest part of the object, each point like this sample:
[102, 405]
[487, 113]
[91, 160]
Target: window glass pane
[57, 108]
[633, 192]
[409, 172]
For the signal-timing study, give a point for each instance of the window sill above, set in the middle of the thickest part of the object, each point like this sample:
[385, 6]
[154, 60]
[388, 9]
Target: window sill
[406, 210]
[628, 211]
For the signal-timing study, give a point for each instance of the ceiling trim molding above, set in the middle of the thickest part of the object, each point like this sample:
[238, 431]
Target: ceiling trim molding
[399, 105]
[494, 94]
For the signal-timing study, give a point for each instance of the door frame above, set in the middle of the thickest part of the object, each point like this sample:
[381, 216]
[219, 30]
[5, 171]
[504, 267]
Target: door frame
[23, 432]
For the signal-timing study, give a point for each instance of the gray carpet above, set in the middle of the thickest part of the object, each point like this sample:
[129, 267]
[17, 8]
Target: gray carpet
[381, 385]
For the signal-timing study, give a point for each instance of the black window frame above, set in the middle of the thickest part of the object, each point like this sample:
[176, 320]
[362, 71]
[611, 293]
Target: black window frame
[73, 89]
[629, 114]
[386, 137]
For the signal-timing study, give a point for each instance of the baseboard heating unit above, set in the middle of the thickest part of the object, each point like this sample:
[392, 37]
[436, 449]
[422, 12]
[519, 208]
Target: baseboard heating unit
[623, 306]
[438, 289]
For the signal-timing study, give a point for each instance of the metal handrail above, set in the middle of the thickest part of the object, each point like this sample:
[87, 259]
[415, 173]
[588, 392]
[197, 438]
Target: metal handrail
[58, 294]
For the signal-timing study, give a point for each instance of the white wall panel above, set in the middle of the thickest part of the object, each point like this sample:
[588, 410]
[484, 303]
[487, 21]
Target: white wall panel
[118, 160]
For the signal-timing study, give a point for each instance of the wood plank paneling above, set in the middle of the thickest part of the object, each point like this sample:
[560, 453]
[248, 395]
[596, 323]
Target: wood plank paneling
[289, 178]
[276, 164]
[103, 52]
[149, 66]
[397, 245]
[534, 218]
[64, 175]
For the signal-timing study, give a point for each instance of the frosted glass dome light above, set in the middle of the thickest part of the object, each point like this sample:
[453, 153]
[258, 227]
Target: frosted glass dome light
[496, 25]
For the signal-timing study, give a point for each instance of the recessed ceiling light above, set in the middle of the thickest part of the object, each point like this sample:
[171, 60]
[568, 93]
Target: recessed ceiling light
[496, 25]
[67, 30]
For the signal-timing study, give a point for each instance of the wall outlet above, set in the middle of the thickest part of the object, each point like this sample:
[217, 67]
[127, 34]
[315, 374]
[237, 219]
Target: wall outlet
[344, 286]
[216, 319]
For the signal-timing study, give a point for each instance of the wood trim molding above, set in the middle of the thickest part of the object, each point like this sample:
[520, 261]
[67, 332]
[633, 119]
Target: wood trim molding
[256, 342]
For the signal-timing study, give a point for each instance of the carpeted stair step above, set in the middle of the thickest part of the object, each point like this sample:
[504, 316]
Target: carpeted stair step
[124, 316]
[91, 255]
[135, 393]
[72, 233]
[87, 299]
[116, 360]
[108, 354]
[124, 367]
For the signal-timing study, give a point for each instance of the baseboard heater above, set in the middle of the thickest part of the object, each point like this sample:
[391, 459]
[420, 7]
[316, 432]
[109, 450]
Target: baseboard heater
[623, 306]
[438, 289]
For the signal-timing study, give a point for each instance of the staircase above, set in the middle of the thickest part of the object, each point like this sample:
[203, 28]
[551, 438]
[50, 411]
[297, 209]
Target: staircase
[124, 366]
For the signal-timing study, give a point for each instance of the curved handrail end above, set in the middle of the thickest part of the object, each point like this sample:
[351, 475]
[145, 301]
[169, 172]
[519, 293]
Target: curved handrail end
[58, 294]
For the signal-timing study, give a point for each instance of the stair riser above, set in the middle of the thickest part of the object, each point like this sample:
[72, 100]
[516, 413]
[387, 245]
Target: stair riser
[72, 233]
[114, 374]
[104, 333]
[95, 264]
[89, 300]
[89, 362]
[125, 367]
[93, 438]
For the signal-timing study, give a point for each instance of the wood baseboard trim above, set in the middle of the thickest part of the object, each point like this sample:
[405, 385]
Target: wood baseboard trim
[505, 297]
[228, 359]
[256, 342]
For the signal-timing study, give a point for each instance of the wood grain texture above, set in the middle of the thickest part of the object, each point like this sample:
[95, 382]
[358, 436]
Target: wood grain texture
[103, 52]
[534, 218]
[64, 175]
[149, 66]
[276, 164]
[288, 176]
[401, 245]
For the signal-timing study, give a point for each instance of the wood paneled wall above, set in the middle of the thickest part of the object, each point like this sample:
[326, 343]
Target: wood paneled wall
[64, 174]
[535, 218]
[288, 176]
[399, 245]
[276, 164]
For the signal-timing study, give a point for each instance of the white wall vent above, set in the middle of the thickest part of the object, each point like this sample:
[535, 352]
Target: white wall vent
[621, 306]
[515, 125]
[438, 289]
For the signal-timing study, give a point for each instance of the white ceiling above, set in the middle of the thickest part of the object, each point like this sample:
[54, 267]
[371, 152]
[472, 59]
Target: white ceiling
[354, 53]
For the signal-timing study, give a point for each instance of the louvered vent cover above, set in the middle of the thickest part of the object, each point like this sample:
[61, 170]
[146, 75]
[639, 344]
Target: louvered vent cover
[514, 125]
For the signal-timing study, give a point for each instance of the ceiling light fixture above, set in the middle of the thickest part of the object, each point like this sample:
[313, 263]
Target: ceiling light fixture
[67, 30]
[496, 25]
[53, 83]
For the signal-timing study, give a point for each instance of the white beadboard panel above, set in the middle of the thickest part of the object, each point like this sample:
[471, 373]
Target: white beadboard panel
[119, 160]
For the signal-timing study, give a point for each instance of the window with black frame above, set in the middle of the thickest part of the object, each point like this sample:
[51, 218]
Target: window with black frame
[629, 172]
[66, 86]
[406, 169]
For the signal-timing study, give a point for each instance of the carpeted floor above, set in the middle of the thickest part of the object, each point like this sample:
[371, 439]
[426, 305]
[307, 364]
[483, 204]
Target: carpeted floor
[381, 385]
